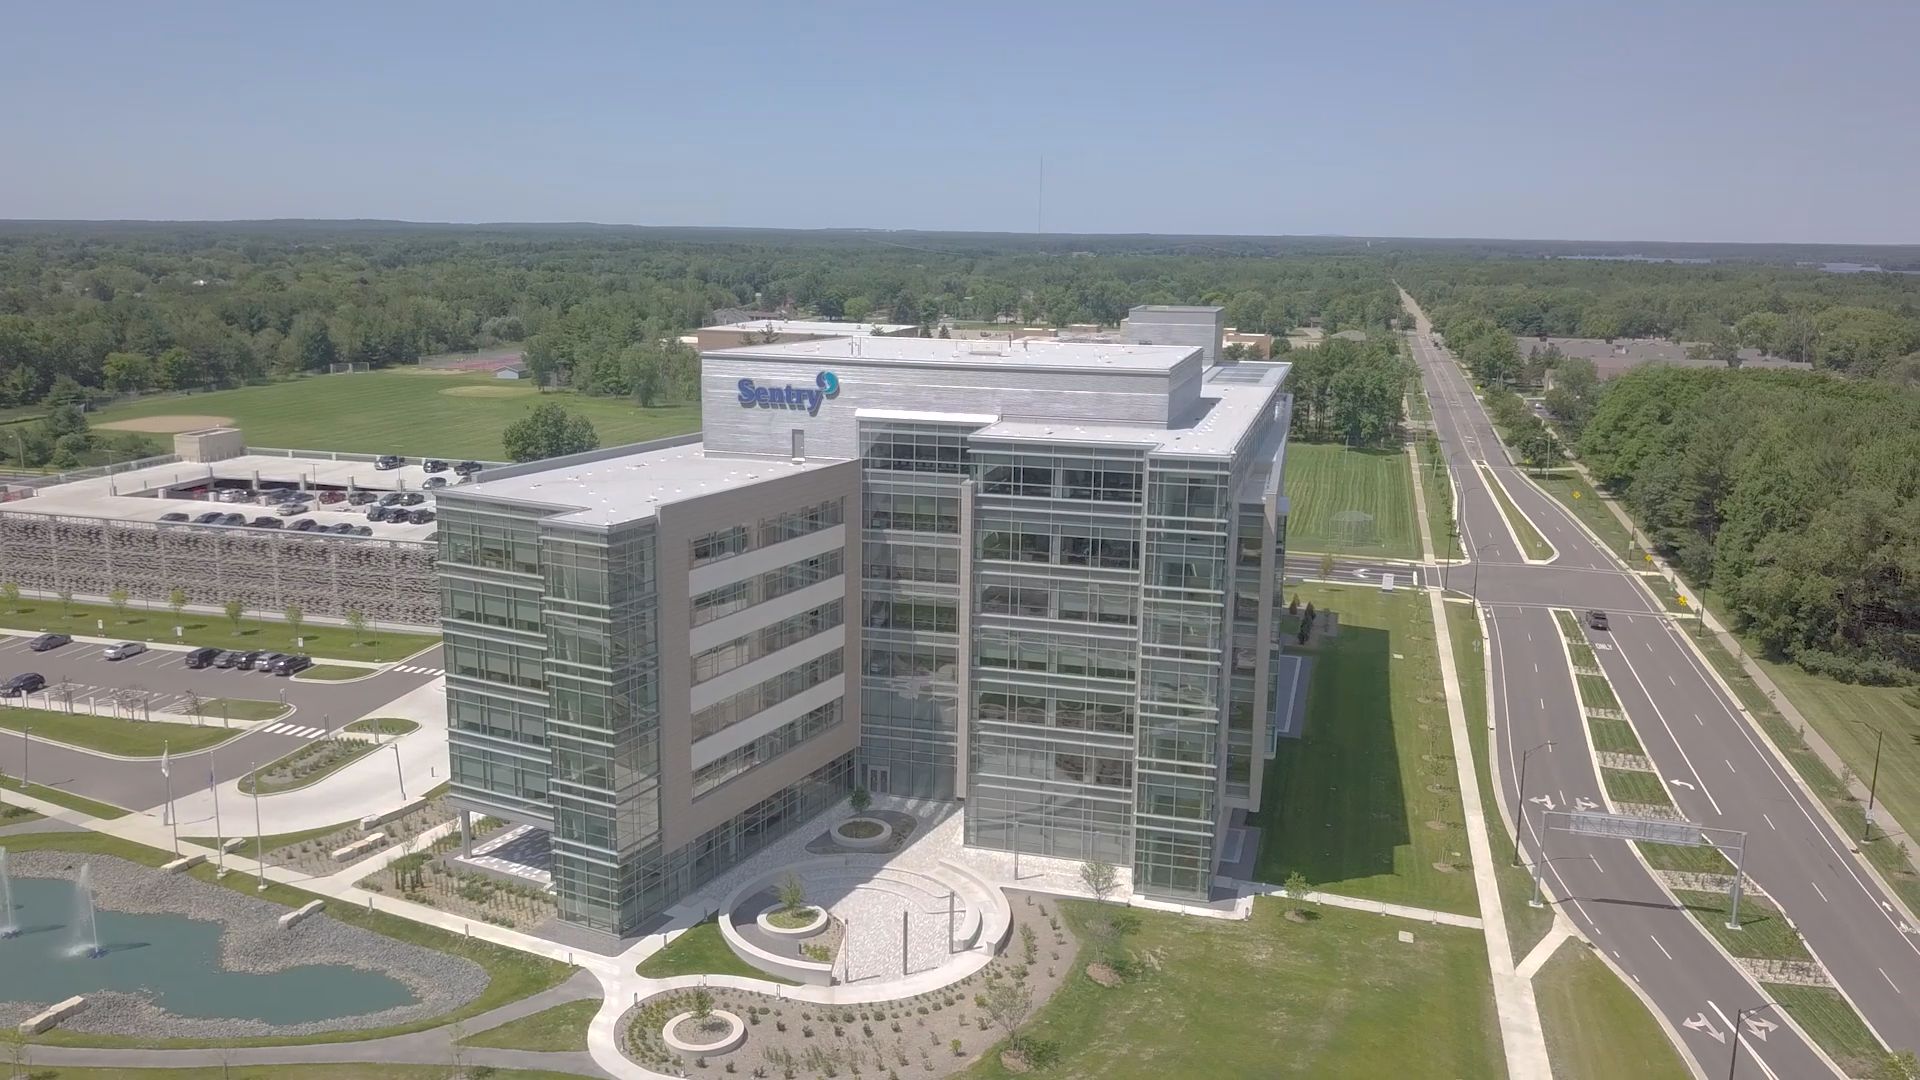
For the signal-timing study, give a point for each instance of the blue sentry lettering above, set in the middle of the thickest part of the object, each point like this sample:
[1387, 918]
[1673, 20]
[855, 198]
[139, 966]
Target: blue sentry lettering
[746, 391]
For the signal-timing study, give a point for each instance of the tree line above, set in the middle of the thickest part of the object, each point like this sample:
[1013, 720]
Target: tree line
[1861, 324]
[1794, 497]
[141, 307]
[1350, 391]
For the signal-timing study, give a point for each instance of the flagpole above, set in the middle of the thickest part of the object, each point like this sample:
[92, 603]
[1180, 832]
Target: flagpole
[219, 835]
[166, 770]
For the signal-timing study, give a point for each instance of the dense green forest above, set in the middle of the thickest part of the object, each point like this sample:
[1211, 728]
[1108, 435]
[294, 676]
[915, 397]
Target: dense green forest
[1861, 324]
[1794, 496]
[1350, 391]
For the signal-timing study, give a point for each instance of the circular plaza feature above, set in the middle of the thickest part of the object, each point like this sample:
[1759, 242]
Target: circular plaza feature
[863, 834]
[720, 1033]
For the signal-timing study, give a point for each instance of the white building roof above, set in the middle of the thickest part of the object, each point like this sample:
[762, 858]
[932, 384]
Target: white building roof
[612, 489]
[815, 326]
[1036, 354]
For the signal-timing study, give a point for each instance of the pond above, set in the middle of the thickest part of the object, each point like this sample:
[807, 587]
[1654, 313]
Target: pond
[175, 961]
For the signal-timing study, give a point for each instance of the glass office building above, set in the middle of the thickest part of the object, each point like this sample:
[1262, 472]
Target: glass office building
[1038, 578]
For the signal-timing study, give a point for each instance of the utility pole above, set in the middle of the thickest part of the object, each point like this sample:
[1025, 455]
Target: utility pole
[1733, 1055]
[259, 841]
[1866, 833]
[1519, 805]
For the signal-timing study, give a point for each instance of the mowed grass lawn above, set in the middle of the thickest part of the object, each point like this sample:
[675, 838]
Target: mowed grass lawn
[1596, 1028]
[699, 951]
[1366, 803]
[1325, 481]
[411, 412]
[38, 615]
[1337, 996]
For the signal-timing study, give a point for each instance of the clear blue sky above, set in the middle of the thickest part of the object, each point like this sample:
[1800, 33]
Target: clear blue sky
[1531, 118]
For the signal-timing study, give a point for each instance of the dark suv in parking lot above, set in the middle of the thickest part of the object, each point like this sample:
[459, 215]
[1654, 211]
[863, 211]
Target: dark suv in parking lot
[467, 468]
[361, 498]
[26, 682]
[389, 461]
[203, 658]
[290, 665]
[433, 465]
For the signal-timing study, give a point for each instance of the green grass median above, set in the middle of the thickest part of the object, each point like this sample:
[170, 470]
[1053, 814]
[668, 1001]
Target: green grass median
[1596, 1027]
[1531, 541]
[112, 735]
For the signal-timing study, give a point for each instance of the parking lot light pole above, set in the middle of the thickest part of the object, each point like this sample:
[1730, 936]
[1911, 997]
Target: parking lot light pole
[1519, 804]
[26, 756]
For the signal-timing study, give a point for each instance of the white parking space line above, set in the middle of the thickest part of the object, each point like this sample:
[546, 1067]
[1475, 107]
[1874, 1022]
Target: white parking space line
[1730, 767]
[1662, 948]
[1769, 821]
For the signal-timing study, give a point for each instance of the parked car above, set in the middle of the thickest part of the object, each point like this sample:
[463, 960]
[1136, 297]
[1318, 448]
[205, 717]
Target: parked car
[362, 498]
[233, 519]
[467, 468]
[411, 498]
[304, 525]
[249, 658]
[376, 513]
[204, 658]
[234, 495]
[209, 518]
[230, 659]
[389, 461]
[175, 516]
[332, 496]
[1597, 620]
[391, 498]
[26, 682]
[342, 528]
[420, 516]
[290, 509]
[362, 530]
[266, 661]
[123, 650]
[265, 522]
[46, 642]
[434, 465]
[290, 665]
[435, 482]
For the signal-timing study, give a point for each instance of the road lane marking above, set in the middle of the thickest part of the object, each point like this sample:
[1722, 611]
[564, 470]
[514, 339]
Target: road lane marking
[1730, 767]
[1697, 720]
[1890, 982]
[1816, 888]
[1769, 821]
[1662, 948]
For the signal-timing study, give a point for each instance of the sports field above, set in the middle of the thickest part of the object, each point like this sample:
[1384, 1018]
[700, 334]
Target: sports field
[1350, 501]
[414, 413]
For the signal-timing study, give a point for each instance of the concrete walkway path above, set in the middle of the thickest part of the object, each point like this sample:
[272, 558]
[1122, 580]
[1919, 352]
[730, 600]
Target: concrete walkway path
[1520, 1032]
[1379, 907]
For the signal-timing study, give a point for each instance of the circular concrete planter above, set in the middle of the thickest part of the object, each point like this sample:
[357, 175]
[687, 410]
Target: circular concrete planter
[863, 843]
[818, 924]
[736, 1034]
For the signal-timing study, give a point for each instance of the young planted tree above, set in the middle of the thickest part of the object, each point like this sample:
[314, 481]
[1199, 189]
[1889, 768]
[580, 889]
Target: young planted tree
[66, 602]
[294, 617]
[860, 800]
[10, 592]
[1297, 888]
[117, 596]
[1100, 877]
[1008, 1003]
[235, 611]
[177, 603]
[792, 893]
[1326, 568]
[357, 622]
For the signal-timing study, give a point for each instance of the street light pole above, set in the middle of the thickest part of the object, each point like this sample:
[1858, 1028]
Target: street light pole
[1866, 832]
[259, 840]
[1519, 805]
[1733, 1055]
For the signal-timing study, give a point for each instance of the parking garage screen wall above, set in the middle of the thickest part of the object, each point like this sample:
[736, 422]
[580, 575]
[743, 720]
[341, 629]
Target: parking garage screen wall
[388, 581]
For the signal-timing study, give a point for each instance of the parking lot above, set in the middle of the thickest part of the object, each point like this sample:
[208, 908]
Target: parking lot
[161, 678]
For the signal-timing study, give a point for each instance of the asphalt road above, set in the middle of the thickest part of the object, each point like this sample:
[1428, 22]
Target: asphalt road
[161, 675]
[1716, 768]
[1351, 570]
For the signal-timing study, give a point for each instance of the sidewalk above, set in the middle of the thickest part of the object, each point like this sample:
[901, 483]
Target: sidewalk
[370, 785]
[1520, 1032]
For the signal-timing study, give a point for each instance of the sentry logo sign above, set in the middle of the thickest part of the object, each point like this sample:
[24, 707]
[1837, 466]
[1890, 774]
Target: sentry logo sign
[825, 385]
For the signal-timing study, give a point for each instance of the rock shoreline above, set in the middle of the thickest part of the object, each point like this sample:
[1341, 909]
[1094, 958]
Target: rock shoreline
[251, 942]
